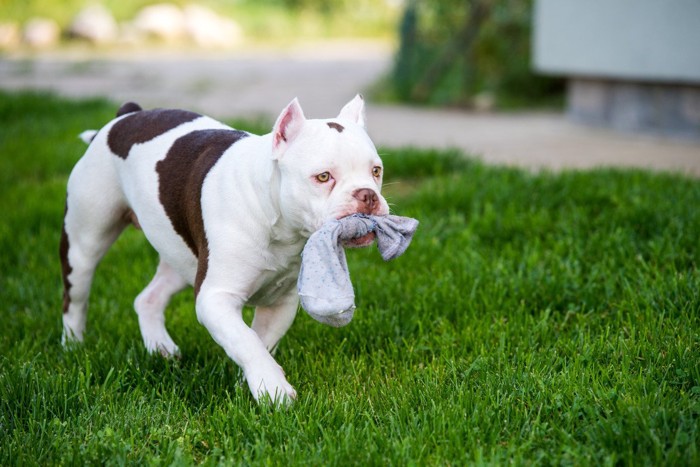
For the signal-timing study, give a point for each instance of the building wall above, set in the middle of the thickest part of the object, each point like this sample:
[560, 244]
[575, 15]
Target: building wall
[642, 40]
[632, 65]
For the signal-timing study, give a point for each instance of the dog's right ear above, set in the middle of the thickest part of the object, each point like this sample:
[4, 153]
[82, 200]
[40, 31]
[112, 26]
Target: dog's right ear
[287, 127]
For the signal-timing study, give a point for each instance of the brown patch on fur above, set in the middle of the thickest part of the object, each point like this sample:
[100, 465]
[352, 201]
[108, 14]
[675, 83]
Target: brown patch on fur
[139, 127]
[336, 126]
[130, 218]
[128, 108]
[180, 178]
[66, 268]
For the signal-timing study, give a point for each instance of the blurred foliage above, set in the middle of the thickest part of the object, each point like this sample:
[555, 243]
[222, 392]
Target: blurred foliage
[469, 53]
[64, 10]
[294, 19]
[262, 20]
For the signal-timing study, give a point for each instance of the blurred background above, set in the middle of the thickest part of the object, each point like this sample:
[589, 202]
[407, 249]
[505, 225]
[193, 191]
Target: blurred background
[469, 54]
[540, 84]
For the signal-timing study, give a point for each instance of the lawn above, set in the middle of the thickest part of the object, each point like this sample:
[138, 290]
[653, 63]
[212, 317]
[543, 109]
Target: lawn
[536, 318]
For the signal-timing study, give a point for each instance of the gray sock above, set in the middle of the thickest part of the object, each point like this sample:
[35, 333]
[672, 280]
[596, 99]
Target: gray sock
[324, 285]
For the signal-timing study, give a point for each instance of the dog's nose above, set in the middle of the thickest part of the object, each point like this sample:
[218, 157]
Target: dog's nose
[368, 199]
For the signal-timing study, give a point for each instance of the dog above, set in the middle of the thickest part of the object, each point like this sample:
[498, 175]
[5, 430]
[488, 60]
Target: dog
[228, 213]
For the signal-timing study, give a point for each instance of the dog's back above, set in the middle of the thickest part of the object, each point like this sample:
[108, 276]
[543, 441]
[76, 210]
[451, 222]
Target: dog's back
[125, 178]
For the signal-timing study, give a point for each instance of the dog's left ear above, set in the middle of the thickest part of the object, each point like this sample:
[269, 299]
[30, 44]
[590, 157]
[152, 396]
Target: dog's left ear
[287, 127]
[354, 111]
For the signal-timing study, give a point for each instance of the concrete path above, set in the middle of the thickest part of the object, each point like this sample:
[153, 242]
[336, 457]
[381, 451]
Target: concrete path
[324, 78]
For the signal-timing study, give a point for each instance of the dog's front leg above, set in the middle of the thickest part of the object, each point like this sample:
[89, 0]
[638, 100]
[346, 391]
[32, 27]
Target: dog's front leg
[221, 313]
[271, 323]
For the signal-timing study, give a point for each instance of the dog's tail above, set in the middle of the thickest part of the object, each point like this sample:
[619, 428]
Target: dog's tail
[87, 136]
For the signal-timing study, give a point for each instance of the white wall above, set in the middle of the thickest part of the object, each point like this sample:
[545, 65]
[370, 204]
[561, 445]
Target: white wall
[640, 40]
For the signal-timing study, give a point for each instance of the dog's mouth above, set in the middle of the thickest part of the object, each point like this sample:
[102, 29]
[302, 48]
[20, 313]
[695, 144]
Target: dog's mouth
[363, 240]
[360, 242]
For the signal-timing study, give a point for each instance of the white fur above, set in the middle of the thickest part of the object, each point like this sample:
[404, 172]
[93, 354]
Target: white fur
[87, 136]
[260, 203]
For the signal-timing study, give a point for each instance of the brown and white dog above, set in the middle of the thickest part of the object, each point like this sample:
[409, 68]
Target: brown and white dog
[228, 212]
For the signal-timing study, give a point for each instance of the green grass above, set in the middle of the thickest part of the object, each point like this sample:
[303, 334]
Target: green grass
[536, 318]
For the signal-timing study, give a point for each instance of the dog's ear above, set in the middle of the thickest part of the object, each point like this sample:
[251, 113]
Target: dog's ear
[287, 127]
[354, 111]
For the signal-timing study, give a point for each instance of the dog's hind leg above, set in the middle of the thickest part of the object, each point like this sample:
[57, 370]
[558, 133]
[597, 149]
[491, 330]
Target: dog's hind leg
[96, 214]
[150, 307]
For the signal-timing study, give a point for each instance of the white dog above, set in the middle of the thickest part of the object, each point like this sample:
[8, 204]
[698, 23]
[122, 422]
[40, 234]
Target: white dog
[228, 212]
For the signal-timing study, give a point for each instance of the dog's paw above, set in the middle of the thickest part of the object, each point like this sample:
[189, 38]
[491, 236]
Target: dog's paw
[167, 351]
[70, 341]
[72, 333]
[270, 386]
[164, 346]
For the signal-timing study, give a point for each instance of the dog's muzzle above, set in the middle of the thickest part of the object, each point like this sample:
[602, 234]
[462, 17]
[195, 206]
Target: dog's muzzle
[367, 203]
[368, 200]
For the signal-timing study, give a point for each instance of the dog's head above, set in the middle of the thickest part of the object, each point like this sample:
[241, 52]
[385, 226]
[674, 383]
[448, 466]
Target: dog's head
[329, 168]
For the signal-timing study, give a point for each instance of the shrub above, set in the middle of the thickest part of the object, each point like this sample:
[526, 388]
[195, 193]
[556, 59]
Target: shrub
[454, 50]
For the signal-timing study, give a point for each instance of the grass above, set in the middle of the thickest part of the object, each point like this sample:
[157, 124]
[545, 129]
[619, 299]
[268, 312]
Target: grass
[536, 318]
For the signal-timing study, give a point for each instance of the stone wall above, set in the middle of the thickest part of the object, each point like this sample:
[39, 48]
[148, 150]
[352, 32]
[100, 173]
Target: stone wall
[656, 108]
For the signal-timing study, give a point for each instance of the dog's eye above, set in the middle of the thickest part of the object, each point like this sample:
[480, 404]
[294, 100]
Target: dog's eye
[377, 171]
[323, 177]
